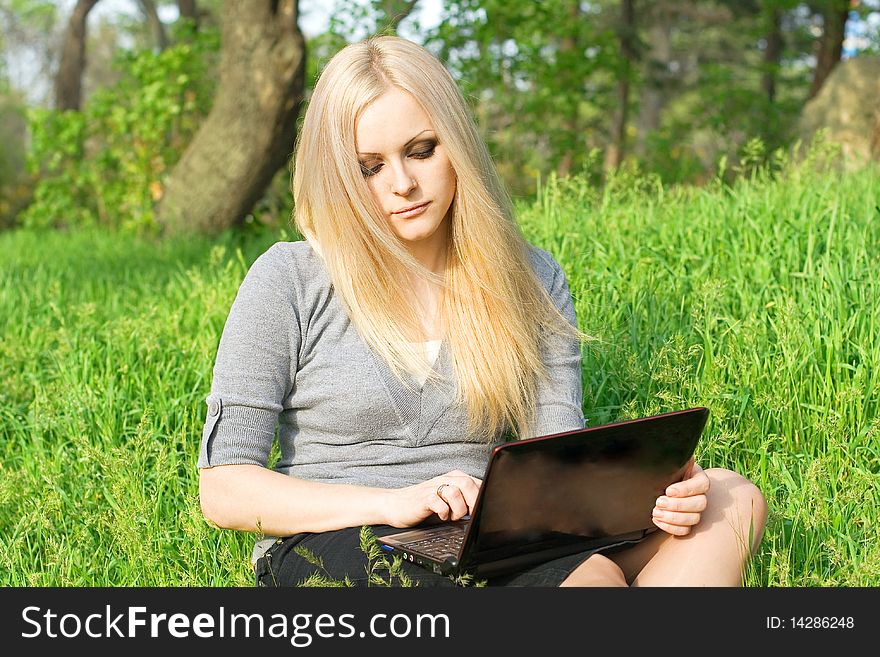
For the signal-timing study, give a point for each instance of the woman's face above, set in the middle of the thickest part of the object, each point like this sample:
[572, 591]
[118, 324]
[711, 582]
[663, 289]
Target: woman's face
[405, 167]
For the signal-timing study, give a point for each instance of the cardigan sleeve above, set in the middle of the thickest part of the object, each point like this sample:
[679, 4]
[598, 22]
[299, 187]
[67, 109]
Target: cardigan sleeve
[254, 368]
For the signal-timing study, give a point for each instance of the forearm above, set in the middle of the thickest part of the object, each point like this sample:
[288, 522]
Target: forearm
[252, 498]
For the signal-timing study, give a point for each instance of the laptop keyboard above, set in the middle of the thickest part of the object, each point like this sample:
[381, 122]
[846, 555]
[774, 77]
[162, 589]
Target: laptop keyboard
[447, 541]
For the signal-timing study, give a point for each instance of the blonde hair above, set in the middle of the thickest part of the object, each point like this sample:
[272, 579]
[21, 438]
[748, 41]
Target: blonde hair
[494, 313]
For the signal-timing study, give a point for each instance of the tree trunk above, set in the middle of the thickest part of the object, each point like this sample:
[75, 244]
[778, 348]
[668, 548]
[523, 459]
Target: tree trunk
[569, 44]
[772, 52]
[249, 134]
[155, 23]
[68, 81]
[187, 9]
[657, 78]
[830, 45]
[628, 55]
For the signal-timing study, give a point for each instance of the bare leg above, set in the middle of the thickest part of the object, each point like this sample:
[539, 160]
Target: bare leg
[598, 570]
[715, 552]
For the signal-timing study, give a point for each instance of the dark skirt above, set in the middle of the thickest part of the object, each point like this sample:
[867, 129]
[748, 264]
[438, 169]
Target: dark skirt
[342, 557]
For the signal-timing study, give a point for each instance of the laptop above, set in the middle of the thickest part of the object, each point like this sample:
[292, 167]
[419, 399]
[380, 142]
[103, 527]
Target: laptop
[550, 496]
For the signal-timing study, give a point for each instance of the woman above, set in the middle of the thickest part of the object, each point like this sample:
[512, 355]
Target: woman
[411, 331]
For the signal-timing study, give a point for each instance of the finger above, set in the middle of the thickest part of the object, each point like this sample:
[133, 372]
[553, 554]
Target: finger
[439, 507]
[469, 490]
[692, 504]
[678, 518]
[698, 484]
[453, 497]
[675, 530]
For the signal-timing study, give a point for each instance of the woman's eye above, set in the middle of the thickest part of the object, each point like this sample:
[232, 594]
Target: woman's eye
[370, 171]
[423, 154]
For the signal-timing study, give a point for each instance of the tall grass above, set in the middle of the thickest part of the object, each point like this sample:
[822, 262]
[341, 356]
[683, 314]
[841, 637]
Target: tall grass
[757, 300]
[106, 347]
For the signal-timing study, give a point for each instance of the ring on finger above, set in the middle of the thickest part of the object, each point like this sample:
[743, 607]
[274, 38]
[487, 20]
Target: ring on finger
[440, 491]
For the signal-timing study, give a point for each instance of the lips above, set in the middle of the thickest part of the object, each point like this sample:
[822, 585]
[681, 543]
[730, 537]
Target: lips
[412, 208]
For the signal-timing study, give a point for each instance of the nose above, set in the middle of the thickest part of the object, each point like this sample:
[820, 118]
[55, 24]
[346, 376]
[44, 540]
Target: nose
[403, 182]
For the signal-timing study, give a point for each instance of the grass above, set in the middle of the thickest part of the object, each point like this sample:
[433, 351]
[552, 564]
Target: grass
[758, 300]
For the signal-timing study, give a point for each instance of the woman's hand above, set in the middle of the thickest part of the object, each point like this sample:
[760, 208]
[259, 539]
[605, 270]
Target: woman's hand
[680, 508]
[450, 496]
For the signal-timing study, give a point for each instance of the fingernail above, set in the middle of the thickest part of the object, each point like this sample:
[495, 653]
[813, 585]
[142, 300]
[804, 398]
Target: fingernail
[657, 513]
[661, 501]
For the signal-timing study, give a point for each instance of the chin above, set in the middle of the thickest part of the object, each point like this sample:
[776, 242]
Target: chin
[416, 234]
[416, 231]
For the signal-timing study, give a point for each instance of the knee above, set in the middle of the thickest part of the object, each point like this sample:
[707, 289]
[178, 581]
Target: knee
[598, 570]
[744, 501]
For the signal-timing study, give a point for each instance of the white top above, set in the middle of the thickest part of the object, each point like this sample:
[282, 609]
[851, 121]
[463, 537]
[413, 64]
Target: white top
[432, 349]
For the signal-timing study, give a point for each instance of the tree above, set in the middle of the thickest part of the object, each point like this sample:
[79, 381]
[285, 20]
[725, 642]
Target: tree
[249, 134]
[539, 76]
[155, 23]
[773, 46]
[659, 79]
[188, 11]
[829, 48]
[68, 81]
[628, 56]
[569, 48]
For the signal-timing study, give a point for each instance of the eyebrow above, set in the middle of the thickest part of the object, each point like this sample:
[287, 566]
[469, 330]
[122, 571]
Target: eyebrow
[405, 145]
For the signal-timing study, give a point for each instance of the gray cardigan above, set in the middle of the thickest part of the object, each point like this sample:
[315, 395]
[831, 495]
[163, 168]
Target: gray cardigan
[289, 358]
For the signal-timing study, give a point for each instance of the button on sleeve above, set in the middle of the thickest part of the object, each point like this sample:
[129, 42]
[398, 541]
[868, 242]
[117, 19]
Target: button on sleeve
[213, 416]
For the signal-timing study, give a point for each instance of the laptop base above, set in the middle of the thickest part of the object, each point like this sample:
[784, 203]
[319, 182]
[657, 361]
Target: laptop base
[501, 562]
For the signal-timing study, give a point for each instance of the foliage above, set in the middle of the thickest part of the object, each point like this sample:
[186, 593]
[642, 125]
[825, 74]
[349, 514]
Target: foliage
[102, 166]
[757, 298]
[14, 185]
[20, 21]
[23, 21]
[377, 562]
[718, 102]
[538, 79]
[537, 84]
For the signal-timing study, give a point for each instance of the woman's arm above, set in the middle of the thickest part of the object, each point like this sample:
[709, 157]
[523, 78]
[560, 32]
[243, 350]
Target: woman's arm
[253, 498]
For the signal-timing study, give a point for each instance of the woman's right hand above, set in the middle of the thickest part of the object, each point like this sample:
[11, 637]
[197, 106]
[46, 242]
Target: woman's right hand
[450, 496]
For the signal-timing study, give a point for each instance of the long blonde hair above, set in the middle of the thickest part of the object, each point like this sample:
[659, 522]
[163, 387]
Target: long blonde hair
[494, 313]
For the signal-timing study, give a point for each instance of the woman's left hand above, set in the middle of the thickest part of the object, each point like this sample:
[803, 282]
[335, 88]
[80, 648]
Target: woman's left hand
[682, 505]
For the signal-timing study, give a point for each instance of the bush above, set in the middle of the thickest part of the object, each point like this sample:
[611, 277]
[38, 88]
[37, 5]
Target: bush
[14, 187]
[102, 165]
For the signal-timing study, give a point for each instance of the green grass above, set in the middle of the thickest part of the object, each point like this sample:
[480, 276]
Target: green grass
[759, 301]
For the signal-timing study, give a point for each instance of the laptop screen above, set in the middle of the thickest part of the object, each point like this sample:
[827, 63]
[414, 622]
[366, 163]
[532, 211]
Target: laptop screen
[594, 483]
